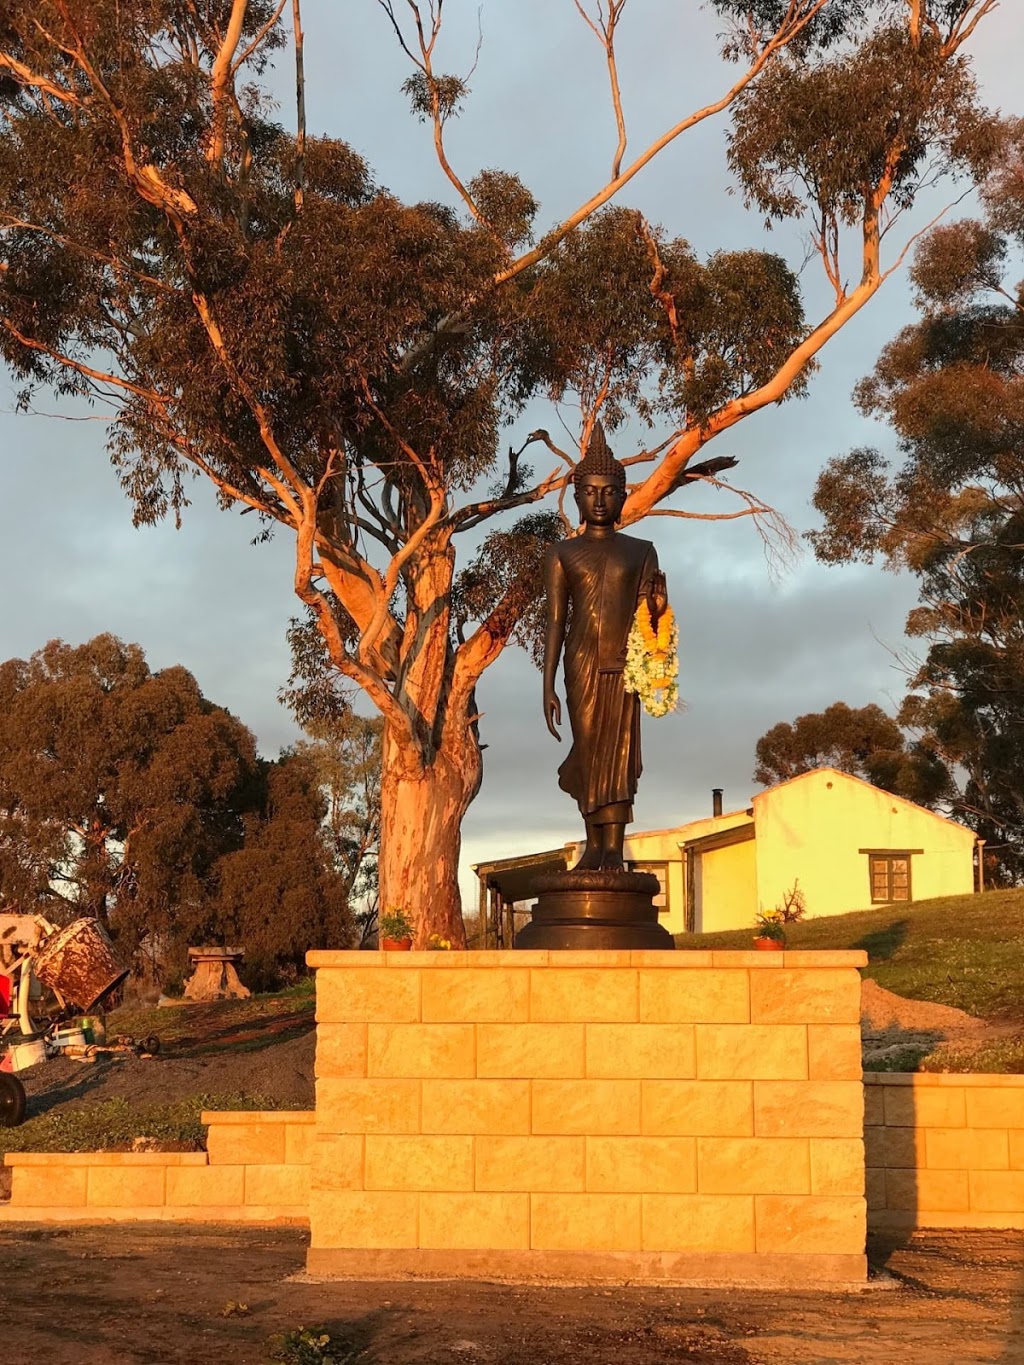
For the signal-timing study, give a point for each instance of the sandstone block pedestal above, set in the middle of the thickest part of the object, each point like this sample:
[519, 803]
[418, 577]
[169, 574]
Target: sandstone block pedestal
[610, 1115]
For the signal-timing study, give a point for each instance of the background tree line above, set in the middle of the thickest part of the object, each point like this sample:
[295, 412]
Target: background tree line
[258, 310]
[128, 795]
[948, 508]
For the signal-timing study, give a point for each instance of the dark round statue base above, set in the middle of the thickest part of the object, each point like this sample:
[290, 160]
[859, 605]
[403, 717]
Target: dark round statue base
[595, 910]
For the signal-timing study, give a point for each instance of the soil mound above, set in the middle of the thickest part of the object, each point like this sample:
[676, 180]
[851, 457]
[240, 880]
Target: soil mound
[282, 1071]
[882, 1012]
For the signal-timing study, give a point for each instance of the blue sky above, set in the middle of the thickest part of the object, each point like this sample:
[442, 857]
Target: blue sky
[757, 646]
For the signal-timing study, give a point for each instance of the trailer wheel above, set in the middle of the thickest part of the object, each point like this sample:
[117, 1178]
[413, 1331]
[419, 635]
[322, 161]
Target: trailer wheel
[12, 1101]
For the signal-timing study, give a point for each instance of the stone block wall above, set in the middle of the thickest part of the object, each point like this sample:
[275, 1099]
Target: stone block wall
[662, 1115]
[944, 1151]
[255, 1170]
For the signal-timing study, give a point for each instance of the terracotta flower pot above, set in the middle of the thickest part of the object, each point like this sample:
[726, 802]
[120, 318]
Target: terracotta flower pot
[396, 945]
[769, 945]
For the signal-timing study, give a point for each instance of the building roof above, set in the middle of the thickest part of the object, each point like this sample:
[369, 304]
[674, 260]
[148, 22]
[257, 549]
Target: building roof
[862, 782]
[514, 877]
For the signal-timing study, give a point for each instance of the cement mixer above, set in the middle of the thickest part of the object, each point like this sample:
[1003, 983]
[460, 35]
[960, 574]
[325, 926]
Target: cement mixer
[76, 964]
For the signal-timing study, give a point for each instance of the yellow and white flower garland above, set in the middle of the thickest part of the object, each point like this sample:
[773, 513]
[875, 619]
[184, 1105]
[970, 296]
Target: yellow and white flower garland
[652, 661]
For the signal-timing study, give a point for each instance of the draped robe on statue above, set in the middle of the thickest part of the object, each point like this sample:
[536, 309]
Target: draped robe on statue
[605, 580]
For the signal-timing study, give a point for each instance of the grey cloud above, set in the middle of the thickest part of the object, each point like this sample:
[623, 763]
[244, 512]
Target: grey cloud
[755, 650]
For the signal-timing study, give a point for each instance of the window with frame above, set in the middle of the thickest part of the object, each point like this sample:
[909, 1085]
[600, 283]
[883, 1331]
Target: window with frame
[659, 870]
[890, 877]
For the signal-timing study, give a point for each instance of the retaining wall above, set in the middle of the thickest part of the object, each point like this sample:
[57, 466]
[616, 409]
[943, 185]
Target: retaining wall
[607, 1115]
[944, 1151]
[255, 1170]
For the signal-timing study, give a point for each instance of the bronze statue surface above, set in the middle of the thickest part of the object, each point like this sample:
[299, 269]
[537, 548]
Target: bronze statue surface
[594, 583]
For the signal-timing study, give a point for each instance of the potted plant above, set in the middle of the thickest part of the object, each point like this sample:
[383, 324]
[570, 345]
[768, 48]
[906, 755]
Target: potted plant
[438, 944]
[770, 934]
[395, 931]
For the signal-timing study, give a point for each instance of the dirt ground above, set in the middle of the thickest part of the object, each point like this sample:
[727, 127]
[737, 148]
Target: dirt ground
[160, 1294]
[213, 1058]
[890, 1024]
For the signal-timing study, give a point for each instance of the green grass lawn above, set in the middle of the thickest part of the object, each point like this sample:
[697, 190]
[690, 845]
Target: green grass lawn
[112, 1124]
[966, 951]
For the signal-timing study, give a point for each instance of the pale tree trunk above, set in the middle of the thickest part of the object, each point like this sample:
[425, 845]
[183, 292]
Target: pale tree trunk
[420, 844]
[430, 772]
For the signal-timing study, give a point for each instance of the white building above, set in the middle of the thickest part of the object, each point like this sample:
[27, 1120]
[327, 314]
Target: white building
[845, 844]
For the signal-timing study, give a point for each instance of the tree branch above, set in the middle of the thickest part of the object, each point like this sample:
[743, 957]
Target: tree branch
[787, 31]
[604, 30]
[220, 81]
[300, 109]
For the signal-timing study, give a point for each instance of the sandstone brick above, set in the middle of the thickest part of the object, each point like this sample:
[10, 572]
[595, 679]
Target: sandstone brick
[334, 958]
[751, 1051]
[1017, 1150]
[683, 959]
[337, 1161]
[298, 1143]
[824, 957]
[707, 997]
[995, 1108]
[426, 959]
[967, 1149]
[809, 1223]
[874, 1105]
[593, 1108]
[477, 995]
[368, 1106]
[808, 1108]
[493, 1222]
[418, 1163]
[697, 1108]
[413, 1050]
[365, 1218]
[499, 957]
[205, 1186]
[245, 1144]
[734, 958]
[529, 1050]
[834, 1052]
[837, 1165]
[341, 1050]
[58, 1160]
[46, 1187]
[621, 1051]
[936, 1191]
[874, 1189]
[359, 996]
[917, 1107]
[531, 1164]
[811, 996]
[585, 1222]
[592, 958]
[277, 1186]
[583, 995]
[753, 1165]
[698, 1222]
[997, 1192]
[476, 1106]
[894, 1148]
[635, 1165]
[122, 1187]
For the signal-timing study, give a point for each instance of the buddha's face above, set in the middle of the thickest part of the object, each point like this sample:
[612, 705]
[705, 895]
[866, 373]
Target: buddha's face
[599, 498]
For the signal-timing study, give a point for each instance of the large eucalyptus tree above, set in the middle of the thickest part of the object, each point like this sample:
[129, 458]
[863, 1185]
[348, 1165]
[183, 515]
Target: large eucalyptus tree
[263, 314]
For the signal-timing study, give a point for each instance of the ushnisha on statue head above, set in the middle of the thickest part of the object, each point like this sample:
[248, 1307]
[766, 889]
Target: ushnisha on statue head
[599, 481]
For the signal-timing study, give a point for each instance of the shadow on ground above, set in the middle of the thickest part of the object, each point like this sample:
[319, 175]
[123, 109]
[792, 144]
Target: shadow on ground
[165, 1295]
